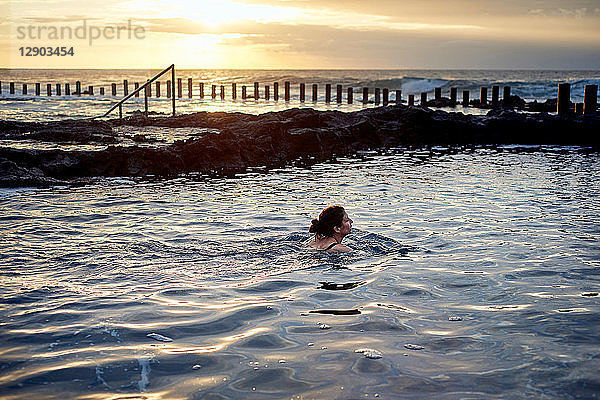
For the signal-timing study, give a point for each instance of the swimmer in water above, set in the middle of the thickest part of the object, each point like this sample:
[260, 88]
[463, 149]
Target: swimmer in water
[329, 229]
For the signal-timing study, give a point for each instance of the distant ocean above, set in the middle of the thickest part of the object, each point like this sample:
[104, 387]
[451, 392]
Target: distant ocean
[528, 84]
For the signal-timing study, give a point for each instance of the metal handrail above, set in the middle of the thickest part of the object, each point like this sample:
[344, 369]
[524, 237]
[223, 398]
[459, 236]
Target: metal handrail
[148, 82]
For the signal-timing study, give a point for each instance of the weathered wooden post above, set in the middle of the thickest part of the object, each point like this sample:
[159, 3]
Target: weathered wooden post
[564, 99]
[58, 93]
[222, 93]
[267, 92]
[302, 92]
[365, 98]
[213, 92]
[411, 99]
[90, 90]
[495, 95]
[377, 96]
[78, 88]
[287, 90]
[338, 94]
[398, 96]
[438, 93]
[149, 90]
[506, 94]
[350, 95]
[453, 93]
[243, 92]
[37, 89]
[328, 93]
[590, 99]
[190, 88]
[146, 101]
[256, 93]
[179, 88]
[49, 89]
[113, 89]
[168, 89]
[424, 99]
[315, 89]
[483, 96]
[136, 86]
[386, 95]
[102, 91]
[11, 88]
[234, 91]
[24, 88]
[126, 87]
[276, 91]
[579, 108]
[465, 101]
[157, 89]
[200, 88]
[67, 89]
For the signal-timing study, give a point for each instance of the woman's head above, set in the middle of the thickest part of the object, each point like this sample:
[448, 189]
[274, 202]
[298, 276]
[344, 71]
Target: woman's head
[332, 220]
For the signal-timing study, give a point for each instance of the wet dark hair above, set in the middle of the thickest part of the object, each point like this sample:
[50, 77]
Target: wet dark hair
[329, 218]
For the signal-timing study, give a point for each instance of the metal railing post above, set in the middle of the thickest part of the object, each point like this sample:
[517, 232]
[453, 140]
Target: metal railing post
[173, 87]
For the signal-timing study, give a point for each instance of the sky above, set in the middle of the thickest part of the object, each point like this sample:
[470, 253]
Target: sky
[302, 34]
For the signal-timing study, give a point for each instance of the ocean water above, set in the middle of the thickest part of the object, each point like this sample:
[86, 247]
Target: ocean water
[528, 84]
[475, 275]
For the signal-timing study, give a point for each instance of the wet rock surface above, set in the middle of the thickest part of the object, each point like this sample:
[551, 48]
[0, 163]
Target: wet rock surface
[271, 140]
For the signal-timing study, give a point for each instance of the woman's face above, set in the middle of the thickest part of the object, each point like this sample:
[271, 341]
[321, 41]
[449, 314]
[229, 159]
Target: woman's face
[346, 226]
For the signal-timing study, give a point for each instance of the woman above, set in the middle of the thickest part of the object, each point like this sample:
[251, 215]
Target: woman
[329, 229]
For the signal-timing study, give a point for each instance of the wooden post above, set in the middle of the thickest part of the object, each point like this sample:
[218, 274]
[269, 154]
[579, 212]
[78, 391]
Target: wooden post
[315, 89]
[37, 89]
[11, 88]
[424, 99]
[234, 91]
[256, 92]
[168, 89]
[113, 89]
[328, 93]
[149, 89]
[146, 101]
[179, 88]
[201, 89]
[350, 95]
[302, 92]
[102, 91]
[267, 92]
[365, 99]
[590, 99]
[189, 88]
[126, 87]
[213, 92]
[58, 93]
[465, 101]
[243, 92]
[157, 89]
[438, 93]
[287, 91]
[564, 99]
[377, 96]
[453, 93]
[411, 99]
[276, 91]
[90, 89]
[579, 108]
[506, 96]
[67, 89]
[222, 92]
[483, 96]
[24, 88]
[78, 88]
[386, 95]
[0, 87]
[338, 94]
[121, 111]
[173, 94]
[136, 86]
[495, 95]
[398, 96]
[49, 89]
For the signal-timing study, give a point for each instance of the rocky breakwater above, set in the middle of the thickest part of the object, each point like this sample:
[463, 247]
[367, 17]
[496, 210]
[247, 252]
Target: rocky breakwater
[271, 140]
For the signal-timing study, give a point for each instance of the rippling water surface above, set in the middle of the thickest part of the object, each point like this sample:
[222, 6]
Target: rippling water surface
[475, 275]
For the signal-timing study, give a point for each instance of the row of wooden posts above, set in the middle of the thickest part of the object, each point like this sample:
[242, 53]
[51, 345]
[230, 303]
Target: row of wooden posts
[563, 102]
